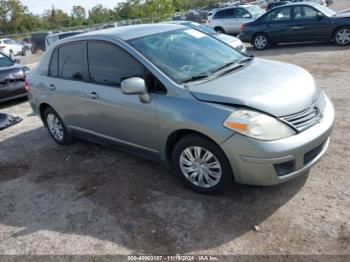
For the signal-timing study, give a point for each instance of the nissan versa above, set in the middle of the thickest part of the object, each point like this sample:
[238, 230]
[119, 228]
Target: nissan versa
[176, 95]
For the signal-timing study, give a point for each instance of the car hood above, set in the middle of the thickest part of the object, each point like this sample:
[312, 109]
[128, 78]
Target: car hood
[276, 88]
[343, 14]
[226, 38]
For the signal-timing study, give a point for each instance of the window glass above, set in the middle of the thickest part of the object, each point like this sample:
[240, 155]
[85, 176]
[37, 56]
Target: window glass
[185, 54]
[9, 42]
[71, 61]
[281, 14]
[54, 64]
[241, 13]
[153, 84]
[5, 61]
[219, 14]
[304, 12]
[110, 65]
[230, 13]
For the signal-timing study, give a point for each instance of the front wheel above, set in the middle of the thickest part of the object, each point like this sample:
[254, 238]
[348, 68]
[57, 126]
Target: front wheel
[201, 165]
[261, 42]
[56, 127]
[24, 52]
[342, 36]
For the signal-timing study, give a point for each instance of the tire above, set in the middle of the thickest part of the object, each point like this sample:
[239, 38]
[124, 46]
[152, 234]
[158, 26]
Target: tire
[196, 174]
[56, 127]
[220, 30]
[24, 52]
[11, 55]
[261, 41]
[342, 36]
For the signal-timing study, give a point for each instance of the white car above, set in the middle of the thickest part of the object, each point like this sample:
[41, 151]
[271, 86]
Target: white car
[11, 48]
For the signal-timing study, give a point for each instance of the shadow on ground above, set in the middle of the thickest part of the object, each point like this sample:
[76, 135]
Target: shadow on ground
[95, 191]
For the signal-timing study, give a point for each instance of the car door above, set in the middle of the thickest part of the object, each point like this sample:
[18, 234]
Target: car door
[278, 24]
[113, 115]
[65, 85]
[308, 25]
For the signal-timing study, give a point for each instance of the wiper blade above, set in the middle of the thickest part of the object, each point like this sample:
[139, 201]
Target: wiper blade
[228, 64]
[194, 78]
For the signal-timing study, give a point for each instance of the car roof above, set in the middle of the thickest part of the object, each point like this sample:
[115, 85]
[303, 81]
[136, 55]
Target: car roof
[234, 6]
[63, 33]
[126, 33]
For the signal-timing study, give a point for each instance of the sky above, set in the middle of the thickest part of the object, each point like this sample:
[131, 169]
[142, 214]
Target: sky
[39, 6]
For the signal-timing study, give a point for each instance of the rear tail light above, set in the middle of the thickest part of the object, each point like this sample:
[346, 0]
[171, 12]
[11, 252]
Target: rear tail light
[26, 85]
[242, 27]
[2, 46]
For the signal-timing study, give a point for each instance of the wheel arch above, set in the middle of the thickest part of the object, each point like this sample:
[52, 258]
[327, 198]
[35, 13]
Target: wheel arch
[175, 137]
[336, 29]
[255, 34]
[42, 109]
[219, 27]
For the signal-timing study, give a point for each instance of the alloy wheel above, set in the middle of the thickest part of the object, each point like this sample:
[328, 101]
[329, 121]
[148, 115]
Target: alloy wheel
[343, 36]
[55, 126]
[260, 42]
[200, 167]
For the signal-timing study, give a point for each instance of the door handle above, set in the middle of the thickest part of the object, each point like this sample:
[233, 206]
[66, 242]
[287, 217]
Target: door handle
[52, 87]
[93, 95]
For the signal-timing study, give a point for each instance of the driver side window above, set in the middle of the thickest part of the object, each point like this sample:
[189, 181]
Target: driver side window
[109, 64]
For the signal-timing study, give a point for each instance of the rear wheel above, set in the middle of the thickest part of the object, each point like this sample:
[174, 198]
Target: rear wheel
[201, 164]
[261, 41]
[220, 30]
[56, 127]
[342, 36]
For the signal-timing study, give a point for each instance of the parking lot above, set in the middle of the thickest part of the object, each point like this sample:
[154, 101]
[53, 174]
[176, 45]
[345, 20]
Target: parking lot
[90, 199]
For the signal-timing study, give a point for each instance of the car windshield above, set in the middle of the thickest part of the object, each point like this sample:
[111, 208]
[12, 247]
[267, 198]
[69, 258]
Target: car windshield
[202, 28]
[186, 54]
[255, 10]
[5, 61]
[326, 10]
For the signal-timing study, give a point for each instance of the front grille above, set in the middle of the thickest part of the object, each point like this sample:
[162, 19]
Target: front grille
[306, 118]
[311, 155]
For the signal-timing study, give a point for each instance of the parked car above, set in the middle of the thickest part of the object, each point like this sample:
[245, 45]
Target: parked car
[303, 22]
[277, 3]
[11, 48]
[12, 79]
[38, 41]
[24, 45]
[230, 19]
[28, 42]
[52, 38]
[231, 40]
[181, 97]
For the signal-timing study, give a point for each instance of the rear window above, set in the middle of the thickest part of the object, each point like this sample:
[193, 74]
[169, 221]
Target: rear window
[70, 61]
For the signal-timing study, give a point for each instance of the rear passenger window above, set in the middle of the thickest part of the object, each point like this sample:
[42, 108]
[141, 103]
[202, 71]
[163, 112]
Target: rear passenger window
[71, 61]
[281, 14]
[54, 64]
[110, 65]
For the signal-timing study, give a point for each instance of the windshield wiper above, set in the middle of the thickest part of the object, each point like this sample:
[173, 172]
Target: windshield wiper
[194, 78]
[232, 65]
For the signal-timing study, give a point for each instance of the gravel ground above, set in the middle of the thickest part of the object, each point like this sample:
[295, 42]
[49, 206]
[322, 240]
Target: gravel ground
[90, 199]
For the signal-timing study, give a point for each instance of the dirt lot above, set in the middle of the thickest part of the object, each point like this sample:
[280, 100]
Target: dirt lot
[90, 199]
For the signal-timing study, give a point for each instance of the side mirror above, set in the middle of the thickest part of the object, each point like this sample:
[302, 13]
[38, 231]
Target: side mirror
[17, 61]
[319, 15]
[136, 86]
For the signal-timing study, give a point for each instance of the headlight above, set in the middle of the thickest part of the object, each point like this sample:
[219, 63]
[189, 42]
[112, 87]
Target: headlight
[257, 125]
[238, 45]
